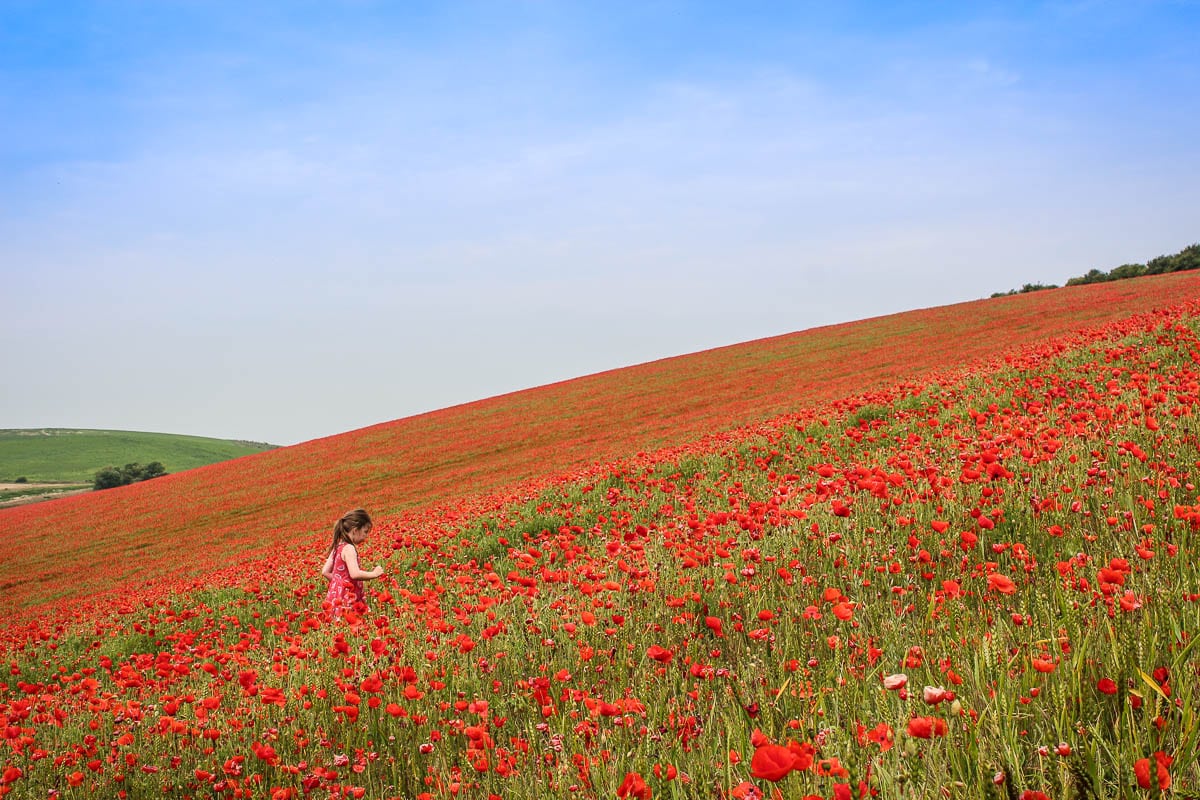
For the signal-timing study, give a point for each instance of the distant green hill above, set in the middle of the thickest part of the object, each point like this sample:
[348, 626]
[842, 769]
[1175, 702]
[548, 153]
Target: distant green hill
[68, 455]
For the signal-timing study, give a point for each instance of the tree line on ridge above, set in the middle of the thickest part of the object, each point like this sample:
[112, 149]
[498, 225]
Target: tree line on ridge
[1186, 259]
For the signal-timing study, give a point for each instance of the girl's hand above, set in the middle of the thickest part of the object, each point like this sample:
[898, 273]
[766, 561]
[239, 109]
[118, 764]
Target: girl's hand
[378, 571]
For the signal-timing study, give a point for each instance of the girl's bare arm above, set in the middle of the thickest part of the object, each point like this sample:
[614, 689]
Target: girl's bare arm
[350, 556]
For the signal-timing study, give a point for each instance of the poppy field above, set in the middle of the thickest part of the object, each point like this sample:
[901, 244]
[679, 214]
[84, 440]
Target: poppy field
[972, 576]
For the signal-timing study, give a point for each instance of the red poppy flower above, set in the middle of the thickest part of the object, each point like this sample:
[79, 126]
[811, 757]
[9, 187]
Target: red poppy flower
[1044, 665]
[881, 735]
[1149, 773]
[1141, 770]
[804, 754]
[1001, 583]
[1130, 601]
[772, 762]
[927, 727]
[659, 654]
[1106, 686]
[746, 791]
[634, 786]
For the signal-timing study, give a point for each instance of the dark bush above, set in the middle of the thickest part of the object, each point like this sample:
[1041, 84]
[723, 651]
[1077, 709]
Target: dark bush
[110, 477]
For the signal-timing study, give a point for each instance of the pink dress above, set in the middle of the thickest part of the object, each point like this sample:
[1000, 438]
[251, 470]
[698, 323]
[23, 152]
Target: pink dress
[344, 592]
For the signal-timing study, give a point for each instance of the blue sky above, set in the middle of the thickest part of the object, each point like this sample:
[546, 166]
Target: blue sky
[280, 221]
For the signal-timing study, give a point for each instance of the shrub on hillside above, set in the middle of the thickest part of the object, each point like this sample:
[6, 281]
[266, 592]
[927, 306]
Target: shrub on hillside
[1026, 289]
[110, 477]
[1091, 276]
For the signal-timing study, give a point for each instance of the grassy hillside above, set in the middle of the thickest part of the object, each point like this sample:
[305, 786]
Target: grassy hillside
[69, 455]
[977, 580]
[252, 507]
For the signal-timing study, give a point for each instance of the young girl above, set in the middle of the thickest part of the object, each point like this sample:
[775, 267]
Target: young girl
[341, 565]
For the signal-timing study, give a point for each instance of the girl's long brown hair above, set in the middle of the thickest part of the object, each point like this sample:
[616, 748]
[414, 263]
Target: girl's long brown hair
[356, 518]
